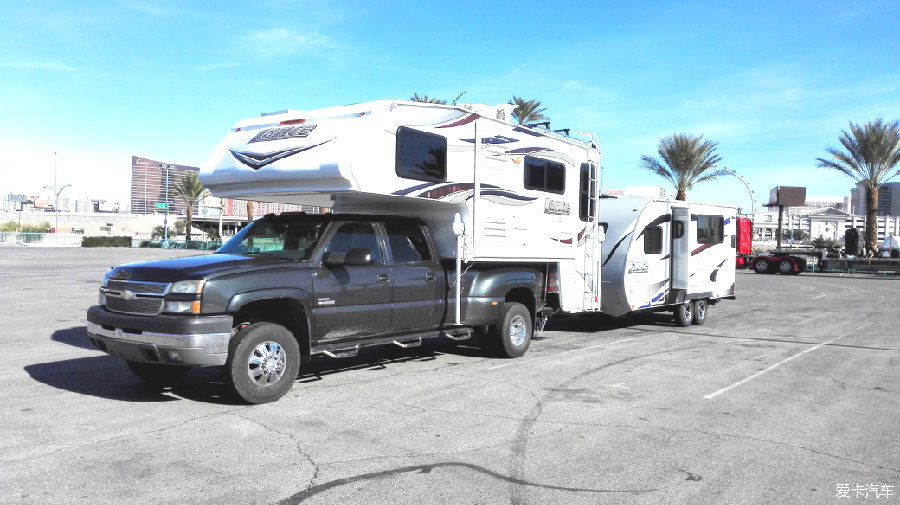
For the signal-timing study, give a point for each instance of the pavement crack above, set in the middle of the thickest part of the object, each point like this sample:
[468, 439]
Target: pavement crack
[297, 443]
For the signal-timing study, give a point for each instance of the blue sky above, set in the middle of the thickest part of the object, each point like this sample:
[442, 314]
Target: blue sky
[773, 83]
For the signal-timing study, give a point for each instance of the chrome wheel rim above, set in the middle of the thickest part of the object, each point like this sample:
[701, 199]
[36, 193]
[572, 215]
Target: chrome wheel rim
[266, 364]
[517, 330]
[785, 267]
[687, 311]
[762, 265]
[701, 310]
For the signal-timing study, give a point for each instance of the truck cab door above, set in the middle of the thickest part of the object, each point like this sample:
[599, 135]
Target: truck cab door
[417, 303]
[351, 300]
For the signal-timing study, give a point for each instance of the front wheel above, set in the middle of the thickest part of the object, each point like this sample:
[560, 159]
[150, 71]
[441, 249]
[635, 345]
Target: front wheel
[761, 266]
[700, 308]
[512, 335]
[684, 314]
[158, 375]
[263, 361]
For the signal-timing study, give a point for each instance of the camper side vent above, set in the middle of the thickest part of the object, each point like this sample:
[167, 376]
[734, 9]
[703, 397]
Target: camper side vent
[501, 114]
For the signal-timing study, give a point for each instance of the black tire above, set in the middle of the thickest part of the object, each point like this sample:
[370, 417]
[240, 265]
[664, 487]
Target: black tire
[700, 308]
[511, 336]
[684, 314]
[761, 266]
[263, 361]
[786, 267]
[156, 374]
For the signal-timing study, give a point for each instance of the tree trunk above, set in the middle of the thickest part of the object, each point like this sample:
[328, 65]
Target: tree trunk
[250, 208]
[189, 214]
[681, 195]
[872, 220]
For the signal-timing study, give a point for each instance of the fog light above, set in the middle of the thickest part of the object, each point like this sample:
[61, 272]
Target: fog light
[173, 356]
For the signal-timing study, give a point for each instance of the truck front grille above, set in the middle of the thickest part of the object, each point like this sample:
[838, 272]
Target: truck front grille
[138, 288]
[141, 306]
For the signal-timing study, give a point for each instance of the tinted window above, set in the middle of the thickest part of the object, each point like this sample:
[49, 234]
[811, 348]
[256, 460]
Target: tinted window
[281, 238]
[653, 240]
[421, 156]
[710, 229]
[544, 175]
[408, 243]
[356, 236]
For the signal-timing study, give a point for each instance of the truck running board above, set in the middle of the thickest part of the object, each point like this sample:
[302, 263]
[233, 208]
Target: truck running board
[415, 342]
[457, 335]
[348, 350]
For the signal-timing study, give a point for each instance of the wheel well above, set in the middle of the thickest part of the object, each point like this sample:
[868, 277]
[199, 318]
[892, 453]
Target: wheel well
[286, 312]
[523, 296]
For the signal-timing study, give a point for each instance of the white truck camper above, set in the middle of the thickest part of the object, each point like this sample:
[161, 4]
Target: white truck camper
[666, 255]
[490, 190]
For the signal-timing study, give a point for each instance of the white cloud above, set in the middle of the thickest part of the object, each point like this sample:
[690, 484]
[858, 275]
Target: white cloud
[282, 42]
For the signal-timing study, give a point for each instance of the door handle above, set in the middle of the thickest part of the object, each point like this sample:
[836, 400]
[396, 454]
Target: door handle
[429, 276]
[383, 277]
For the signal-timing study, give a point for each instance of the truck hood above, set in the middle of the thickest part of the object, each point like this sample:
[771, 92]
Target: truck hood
[192, 267]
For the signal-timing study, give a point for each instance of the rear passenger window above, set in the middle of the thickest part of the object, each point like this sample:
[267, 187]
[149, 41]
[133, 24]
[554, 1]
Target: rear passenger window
[356, 236]
[408, 243]
[653, 240]
[545, 175]
[710, 229]
[421, 156]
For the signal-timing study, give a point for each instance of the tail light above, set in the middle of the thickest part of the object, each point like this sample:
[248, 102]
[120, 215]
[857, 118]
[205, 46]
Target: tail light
[552, 282]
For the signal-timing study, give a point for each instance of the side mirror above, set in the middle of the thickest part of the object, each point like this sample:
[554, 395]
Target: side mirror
[359, 257]
[333, 259]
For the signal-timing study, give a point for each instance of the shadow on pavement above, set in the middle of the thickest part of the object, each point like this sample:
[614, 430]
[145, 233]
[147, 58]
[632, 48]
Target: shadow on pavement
[75, 336]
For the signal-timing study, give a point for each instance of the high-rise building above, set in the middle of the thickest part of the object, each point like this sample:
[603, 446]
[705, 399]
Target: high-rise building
[888, 199]
[148, 185]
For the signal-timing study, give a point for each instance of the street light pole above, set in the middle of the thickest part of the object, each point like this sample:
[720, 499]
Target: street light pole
[56, 195]
[746, 185]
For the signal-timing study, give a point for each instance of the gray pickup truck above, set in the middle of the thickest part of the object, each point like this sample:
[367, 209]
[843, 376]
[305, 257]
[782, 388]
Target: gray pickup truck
[291, 286]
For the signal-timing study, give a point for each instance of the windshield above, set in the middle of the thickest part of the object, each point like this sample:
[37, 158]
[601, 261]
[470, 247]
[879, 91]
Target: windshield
[292, 240]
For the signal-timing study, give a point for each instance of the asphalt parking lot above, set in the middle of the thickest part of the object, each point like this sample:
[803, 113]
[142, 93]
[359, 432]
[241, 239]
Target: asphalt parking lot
[787, 395]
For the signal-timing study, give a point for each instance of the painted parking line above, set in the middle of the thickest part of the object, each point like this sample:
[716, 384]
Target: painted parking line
[776, 365]
[523, 361]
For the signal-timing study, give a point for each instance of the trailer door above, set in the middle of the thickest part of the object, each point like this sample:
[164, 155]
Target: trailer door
[681, 247]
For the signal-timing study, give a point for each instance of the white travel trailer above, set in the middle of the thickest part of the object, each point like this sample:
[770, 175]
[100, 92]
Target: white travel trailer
[490, 190]
[666, 255]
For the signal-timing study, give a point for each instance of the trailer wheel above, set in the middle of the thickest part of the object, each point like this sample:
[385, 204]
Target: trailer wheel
[700, 308]
[158, 375]
[512, 335]
[761, 266]
[786, 267]
[684, 314]
[263, 361]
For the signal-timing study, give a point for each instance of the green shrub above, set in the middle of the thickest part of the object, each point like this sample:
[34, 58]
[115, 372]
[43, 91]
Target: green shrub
[9, 226]
[120, 241]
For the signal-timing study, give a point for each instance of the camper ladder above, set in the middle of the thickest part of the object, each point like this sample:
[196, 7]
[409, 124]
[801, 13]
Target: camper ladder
[591, 269]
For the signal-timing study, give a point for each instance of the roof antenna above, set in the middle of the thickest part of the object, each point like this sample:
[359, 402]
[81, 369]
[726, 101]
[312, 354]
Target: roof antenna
[457, 98]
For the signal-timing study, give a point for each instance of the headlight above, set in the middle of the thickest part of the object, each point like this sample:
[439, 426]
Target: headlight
[188, 287]
[101, 300]
[182, 307]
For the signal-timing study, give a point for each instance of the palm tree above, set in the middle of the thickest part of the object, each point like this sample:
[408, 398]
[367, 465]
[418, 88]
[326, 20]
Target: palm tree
[250, 208]
[426, 99]
[872, 151]
[191, 192]
[688, 160]
[527, 111]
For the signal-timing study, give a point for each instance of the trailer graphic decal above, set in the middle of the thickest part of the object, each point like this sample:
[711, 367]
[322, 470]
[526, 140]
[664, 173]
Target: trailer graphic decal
[496, 139]
[715, 273]
[466, 120]
[404, 192]
[259, 160]
[613, 251]
[465, 191]
[701, 249]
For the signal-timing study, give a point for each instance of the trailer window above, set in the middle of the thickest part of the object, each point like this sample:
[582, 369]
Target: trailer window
[421, 156]
[544, 175]
[587, 192]
[653, 240]
[710, 229]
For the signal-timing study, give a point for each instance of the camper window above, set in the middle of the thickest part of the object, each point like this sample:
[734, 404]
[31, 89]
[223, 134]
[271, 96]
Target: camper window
[653, 240]
[587, 192]
[710, 229]
[421, 156]
[543, 175]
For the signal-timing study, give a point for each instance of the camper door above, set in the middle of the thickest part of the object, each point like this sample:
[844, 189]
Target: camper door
[681, 247]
